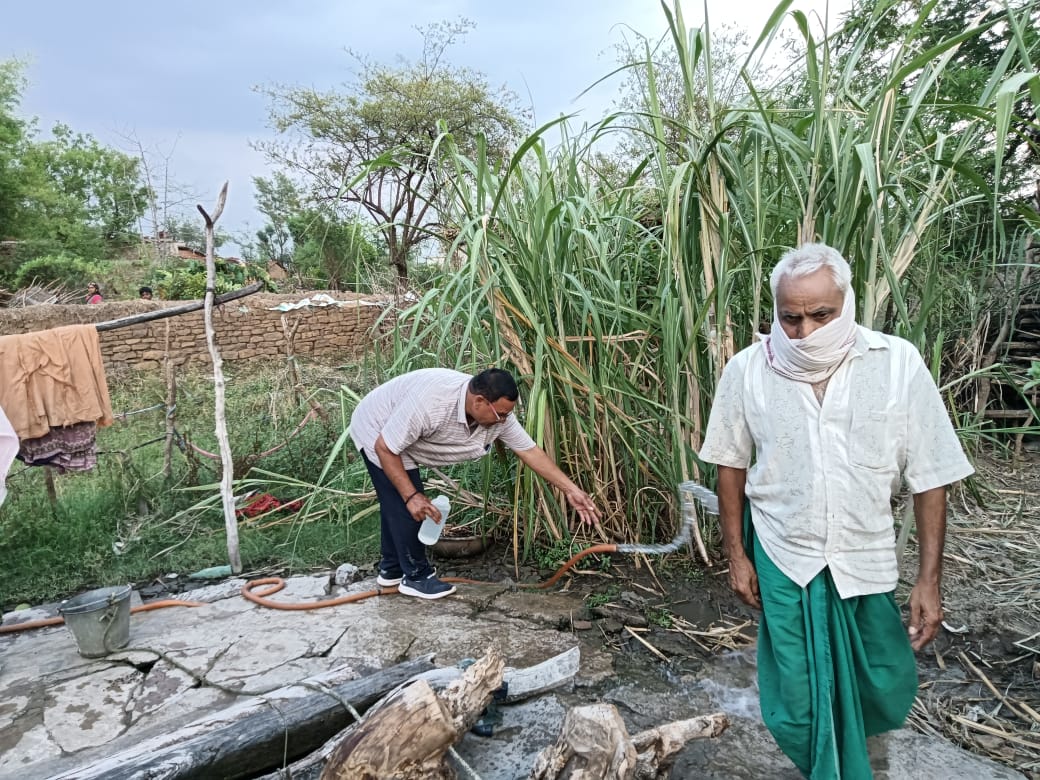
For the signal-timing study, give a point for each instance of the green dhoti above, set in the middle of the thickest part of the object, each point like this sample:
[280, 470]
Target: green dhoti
[831, 671]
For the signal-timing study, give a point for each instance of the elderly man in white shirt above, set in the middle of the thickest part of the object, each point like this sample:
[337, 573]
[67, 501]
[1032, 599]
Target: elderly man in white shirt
[433, 417]
[812, 430]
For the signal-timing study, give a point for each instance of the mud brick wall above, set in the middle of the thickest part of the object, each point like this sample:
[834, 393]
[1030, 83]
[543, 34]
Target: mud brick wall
[246, 329]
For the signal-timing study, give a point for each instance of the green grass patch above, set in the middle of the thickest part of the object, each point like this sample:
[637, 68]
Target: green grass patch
[125, 521]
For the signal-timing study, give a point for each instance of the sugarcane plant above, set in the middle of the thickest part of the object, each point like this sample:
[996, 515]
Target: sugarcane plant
[619, 302]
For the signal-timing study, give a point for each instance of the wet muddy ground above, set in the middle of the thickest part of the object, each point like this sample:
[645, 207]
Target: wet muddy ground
[677, 625]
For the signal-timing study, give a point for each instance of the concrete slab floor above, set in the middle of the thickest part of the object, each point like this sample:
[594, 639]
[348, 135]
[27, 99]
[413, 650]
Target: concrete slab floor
[60, 712]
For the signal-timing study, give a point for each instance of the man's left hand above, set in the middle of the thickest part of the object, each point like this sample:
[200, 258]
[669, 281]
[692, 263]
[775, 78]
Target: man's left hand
[926, 614]
[583, 505]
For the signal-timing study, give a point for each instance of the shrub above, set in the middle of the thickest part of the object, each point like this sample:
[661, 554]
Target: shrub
[187, 279]
[69, 270]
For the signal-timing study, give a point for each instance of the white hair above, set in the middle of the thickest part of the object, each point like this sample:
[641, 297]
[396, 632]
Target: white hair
[807, 259]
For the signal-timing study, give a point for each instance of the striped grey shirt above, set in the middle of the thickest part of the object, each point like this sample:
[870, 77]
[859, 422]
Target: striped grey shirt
[422, 417]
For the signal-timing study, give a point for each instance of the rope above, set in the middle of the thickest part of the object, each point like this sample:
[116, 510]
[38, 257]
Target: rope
[124, 415]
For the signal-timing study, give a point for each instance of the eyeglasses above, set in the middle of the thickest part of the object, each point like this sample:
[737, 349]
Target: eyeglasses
[499, 417]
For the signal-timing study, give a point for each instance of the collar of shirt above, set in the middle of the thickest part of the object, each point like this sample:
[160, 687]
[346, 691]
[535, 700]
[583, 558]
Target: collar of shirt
[462, 418]
[867, 339]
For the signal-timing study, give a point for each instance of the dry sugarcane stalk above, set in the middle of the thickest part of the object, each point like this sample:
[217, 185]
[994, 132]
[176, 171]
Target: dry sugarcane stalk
[226, 495]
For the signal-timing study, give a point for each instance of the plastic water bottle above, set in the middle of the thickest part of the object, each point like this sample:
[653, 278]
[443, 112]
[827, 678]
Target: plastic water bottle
[430, 531]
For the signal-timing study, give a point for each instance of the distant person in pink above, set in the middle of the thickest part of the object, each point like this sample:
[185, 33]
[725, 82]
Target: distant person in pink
[94, 293]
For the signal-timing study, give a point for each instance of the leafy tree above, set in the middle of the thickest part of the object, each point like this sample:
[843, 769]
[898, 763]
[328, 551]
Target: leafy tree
[190, 233]
[333, 252]
[393, 114]
[87, 196]
[186, 279]
[277, 199]
[319, 247]
[12, 138]
[1010, 28]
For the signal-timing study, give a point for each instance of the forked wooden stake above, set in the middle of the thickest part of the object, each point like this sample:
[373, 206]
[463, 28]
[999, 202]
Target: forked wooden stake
[226, 495]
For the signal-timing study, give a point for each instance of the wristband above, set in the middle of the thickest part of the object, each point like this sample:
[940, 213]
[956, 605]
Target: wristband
[413, 495]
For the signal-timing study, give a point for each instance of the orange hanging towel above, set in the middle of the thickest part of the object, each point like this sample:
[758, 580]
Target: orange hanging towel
[52, 379]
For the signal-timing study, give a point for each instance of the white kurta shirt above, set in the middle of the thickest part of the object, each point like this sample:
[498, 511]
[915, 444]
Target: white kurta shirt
[825, 474]
[8, 449]
[421, 416]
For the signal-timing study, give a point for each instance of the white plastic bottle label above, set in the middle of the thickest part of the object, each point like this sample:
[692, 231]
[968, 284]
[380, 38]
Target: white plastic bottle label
[430, 531]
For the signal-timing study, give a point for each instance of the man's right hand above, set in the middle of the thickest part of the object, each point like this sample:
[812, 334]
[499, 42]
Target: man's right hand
[744, 581]
[420, 507]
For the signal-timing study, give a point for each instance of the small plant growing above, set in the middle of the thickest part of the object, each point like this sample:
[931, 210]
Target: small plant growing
[602, 597]
[659, 616]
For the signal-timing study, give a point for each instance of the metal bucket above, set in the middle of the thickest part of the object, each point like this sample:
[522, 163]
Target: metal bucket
[99, 620]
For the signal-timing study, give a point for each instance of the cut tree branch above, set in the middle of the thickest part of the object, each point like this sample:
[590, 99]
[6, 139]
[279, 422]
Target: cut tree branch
[227, 462]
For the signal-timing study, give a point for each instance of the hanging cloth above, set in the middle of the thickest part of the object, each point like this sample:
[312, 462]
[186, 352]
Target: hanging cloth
[55, 394]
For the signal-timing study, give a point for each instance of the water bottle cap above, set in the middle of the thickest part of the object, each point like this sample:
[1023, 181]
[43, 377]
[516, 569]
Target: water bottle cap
[442, 503]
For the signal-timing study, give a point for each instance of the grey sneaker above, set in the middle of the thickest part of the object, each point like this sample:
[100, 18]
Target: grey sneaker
[426, 588]
[387, 580]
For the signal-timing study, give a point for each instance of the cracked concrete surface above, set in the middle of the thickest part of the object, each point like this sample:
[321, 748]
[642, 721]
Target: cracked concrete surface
[60, 712]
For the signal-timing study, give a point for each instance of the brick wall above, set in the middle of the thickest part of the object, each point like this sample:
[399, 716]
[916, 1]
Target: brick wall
[246, 329]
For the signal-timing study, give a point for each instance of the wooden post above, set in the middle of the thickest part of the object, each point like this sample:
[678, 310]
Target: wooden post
[52, 491]
[226, 491]
[290, 357]
[171, 405]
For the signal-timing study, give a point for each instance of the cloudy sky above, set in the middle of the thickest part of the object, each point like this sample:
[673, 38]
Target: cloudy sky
[178, 77]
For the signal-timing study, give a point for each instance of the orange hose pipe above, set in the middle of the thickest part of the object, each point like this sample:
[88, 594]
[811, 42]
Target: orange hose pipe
[277, 583]
[57, 621]
[596, 548]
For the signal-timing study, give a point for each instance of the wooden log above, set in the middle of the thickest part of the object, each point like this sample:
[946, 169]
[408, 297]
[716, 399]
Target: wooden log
[254, 736]
[523, 683]
[408, 736]
[405, 739]
[657, 748]
[173, 311]
[594, 743]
